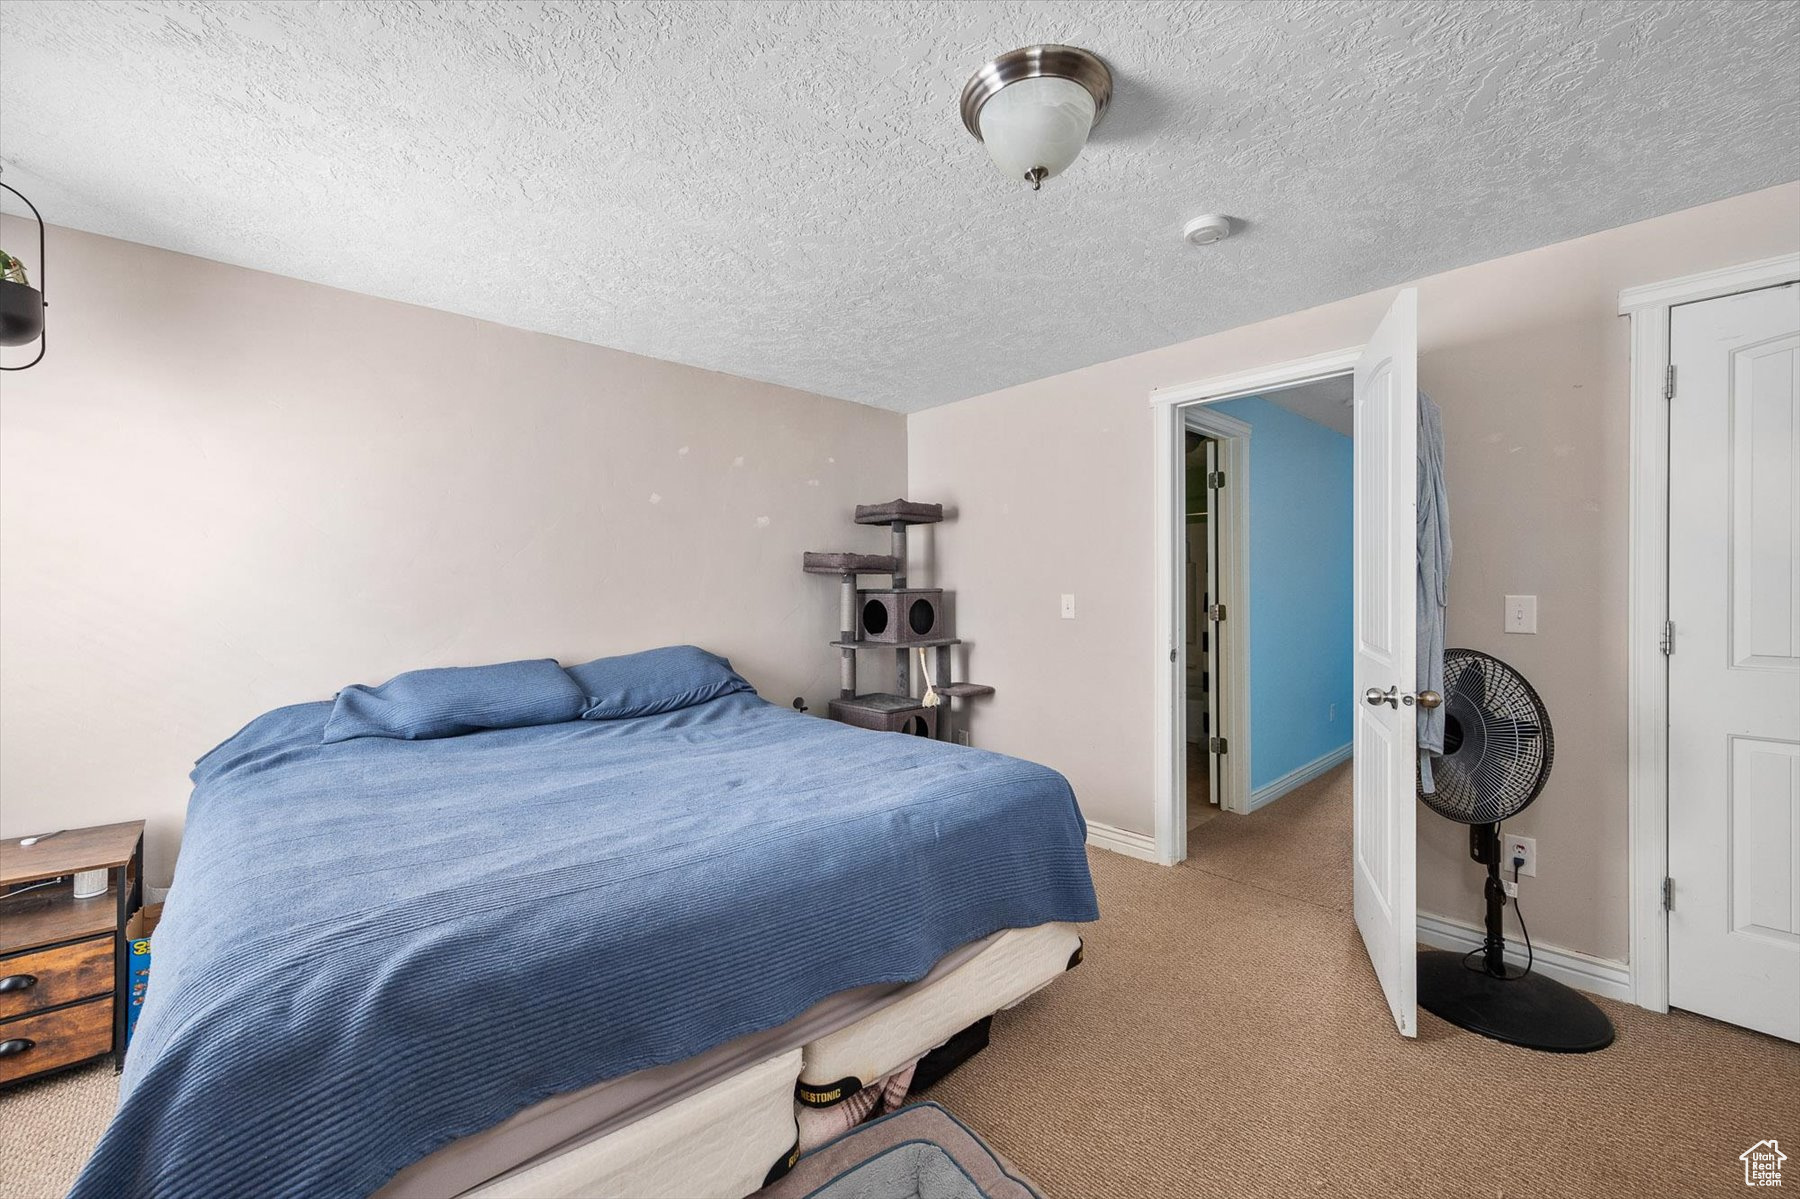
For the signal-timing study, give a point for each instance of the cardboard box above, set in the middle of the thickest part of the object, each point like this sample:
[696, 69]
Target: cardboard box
[137, 972]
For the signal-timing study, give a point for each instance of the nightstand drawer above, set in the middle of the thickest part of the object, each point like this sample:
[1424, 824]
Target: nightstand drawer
[44, 978]
[33, 1044]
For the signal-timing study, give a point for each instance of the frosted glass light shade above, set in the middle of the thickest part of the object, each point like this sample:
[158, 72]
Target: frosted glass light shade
[1035, 123]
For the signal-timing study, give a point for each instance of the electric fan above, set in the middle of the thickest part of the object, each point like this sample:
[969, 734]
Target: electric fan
[1497, 753]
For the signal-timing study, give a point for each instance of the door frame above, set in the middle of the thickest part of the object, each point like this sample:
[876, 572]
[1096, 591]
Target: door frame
[1173, 408]
[1647, 776]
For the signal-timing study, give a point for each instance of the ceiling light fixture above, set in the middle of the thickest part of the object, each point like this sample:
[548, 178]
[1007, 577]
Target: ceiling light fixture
[1034, 107]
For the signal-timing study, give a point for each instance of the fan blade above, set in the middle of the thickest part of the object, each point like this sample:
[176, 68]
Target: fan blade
[1503, 742]
[1507, 758]
[1471, 684]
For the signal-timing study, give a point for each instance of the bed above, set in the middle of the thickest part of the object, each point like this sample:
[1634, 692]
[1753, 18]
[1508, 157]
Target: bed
[584, 955]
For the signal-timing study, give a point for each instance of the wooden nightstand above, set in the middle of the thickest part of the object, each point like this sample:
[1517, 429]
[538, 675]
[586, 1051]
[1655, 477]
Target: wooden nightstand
[63, 990]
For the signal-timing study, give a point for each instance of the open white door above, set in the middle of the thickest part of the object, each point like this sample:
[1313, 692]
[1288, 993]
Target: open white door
[1384, 858]
[1209, 615]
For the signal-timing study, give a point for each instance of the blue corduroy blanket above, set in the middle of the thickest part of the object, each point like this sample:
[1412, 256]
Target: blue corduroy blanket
[375, 947]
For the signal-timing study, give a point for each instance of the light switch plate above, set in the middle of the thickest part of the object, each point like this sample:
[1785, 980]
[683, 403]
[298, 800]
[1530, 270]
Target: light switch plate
[1068, 607]
[1521, 614]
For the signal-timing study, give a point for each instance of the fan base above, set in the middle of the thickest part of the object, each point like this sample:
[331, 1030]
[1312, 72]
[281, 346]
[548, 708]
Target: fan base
[1533, 1011]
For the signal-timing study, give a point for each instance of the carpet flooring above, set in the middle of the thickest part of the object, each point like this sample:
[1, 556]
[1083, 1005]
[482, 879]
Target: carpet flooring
[48, 1127]
[1200, 808]
[1298, 846]
[1225, 1038]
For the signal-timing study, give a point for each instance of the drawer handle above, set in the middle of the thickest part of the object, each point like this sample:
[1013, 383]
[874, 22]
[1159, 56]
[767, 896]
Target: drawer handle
[17, 982]
[16, 1045]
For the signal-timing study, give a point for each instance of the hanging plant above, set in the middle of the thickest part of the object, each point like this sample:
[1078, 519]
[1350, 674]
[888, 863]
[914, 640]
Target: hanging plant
[12, 270]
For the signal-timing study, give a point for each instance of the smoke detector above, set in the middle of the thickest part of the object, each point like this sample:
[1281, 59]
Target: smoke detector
[1205, 230]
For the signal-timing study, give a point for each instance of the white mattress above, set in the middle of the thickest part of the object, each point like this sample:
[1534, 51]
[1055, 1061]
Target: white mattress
[1011, 966]
[861, 1035]
[717, 1144]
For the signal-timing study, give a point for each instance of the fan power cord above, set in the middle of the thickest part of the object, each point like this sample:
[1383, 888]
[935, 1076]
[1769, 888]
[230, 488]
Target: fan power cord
[1530, 955]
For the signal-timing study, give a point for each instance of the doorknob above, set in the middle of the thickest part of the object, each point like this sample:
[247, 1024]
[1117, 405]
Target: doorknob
[1392, 697]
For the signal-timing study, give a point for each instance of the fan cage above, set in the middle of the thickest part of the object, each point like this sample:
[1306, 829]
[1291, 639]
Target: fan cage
[1498, 745]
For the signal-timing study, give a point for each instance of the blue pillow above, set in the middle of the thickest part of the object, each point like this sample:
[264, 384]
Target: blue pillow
[453, 700]
[656, 680]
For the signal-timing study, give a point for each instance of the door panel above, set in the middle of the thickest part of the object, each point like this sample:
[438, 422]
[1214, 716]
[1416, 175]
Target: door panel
[1375, 616]
[1763, 790]
[1384, 860]
[1765, 567]
[1734, 676]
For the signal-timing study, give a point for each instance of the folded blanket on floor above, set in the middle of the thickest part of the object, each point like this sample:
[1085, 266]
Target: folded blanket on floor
[377, 946]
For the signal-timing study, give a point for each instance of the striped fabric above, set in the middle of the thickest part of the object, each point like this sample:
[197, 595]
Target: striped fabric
[376, 946]
[820, 1124]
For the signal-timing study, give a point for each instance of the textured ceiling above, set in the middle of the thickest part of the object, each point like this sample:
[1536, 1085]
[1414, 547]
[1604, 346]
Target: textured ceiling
[783, 190]
[1326, 402]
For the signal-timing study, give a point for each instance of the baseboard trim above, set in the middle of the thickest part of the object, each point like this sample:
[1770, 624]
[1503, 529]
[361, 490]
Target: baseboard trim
[1584, 972]
[1133, 845]
[1299, 776]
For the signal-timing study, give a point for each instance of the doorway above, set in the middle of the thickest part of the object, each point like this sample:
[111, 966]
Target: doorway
[1384, 616]
[1201, 477]
[1282, 653]
[1215, 708]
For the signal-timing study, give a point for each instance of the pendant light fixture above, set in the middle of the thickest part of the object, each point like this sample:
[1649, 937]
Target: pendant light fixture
[1034, 107]
[22, 305]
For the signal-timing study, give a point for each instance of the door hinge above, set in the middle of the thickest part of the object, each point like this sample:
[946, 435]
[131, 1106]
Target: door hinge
[1215, 745]
[1667, 644]
[1216, 612]
[1216, 479]
[1669, 383]
[1668, 894]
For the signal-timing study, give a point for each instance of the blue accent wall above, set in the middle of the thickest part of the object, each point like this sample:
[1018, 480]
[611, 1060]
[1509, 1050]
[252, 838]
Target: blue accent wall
[1301, 595]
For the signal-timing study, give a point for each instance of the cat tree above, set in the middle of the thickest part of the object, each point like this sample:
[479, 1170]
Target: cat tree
[899, 618]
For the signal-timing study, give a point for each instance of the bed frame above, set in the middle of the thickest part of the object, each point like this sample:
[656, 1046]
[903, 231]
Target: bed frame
[739, 1134]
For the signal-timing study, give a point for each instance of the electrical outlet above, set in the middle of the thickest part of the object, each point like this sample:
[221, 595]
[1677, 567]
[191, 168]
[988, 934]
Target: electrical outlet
[1511, 888]
[1068, 607]
[1521, 614]
[962, 736]
[1512, 847]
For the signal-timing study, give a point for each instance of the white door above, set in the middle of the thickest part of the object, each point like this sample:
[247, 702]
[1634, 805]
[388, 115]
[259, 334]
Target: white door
[1386, 731]
[1215, 688]
[1734, 675]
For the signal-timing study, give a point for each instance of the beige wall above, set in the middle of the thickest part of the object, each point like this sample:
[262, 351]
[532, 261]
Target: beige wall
[224, 491]
[1529, 360]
